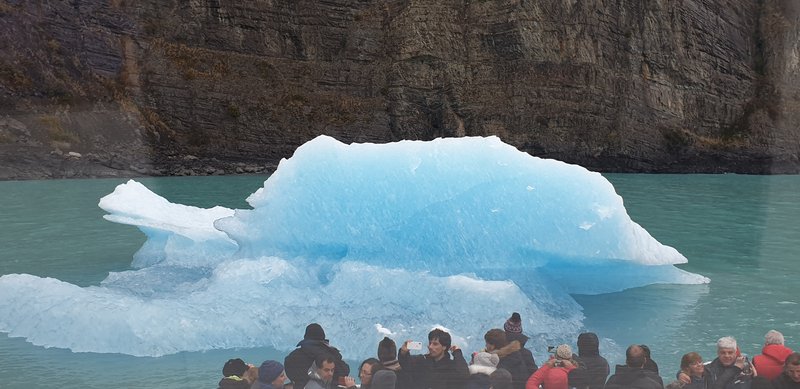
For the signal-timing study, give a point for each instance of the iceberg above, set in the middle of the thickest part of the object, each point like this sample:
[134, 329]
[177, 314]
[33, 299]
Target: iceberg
[365, 239]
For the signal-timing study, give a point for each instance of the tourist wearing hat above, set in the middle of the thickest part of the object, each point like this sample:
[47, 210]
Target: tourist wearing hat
[513, 329]
[237, 375]
[482, 366]
[313, 346]
[510, 354]
[554, 373]
[387, 354]
[271, 375]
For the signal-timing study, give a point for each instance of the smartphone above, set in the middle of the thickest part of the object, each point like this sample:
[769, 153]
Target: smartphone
[415, 345]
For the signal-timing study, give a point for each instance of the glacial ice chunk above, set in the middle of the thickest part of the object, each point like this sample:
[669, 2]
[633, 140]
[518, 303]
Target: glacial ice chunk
[364, 239]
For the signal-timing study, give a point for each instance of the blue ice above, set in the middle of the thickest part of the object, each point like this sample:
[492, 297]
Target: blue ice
[365, 239]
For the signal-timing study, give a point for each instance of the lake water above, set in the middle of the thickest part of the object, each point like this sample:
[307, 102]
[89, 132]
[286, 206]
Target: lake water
[740, 231]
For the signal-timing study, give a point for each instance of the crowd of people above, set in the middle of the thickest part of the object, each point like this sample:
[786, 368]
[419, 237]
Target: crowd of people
[505, 363]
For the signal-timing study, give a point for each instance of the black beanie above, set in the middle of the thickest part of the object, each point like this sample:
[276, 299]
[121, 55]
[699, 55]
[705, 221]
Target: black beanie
[387, 350]
[235, 367]
[314, 331]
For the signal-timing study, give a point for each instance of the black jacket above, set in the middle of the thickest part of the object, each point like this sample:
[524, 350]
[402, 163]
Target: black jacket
[527, 356]
[592, 370]
[634, 378]
[726, 377]
[428, 373]
[299, 360]
[784, 382]
[513, 360]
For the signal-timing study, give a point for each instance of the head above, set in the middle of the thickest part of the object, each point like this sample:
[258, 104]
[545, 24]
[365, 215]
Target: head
[438, 343]
[325, 367]
[365, 371]
[692, 364]
[314, 331]
[234, 367]
[563, 351]
[588, 344]
[485, 359]
[387, 350]
[500, 379]
[271, 372]
[495, 339]
[726, 350]
[513, 324]
[792, 367]
[773, 337]
[635, 357]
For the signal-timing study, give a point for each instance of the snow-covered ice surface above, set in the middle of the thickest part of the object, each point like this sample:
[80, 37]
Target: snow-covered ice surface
[364, 239]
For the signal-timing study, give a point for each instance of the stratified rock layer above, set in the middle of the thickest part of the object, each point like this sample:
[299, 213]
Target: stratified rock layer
[208, 87]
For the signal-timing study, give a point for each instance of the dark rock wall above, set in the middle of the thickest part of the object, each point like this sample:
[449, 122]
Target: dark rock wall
[210, 87]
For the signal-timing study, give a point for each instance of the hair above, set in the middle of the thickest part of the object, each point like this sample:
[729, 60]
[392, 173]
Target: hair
[387, 350]
[634, 356]
[440, 335]
[726, 342]
[690, 358]
[646, 350]
[792, 359]
[496, 337]
[371, 362]
[322, 359]
[773, 337]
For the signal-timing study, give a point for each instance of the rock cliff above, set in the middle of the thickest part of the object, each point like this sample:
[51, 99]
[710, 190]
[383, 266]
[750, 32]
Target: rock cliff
[122, 87]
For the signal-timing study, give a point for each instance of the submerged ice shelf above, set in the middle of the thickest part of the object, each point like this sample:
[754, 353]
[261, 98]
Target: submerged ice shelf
[364, 239]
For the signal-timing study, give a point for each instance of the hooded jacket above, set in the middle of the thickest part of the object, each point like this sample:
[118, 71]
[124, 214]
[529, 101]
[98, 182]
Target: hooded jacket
[726, 377]
[512, 359]
[298, 361]
[592, 370]
[527, 356]
[769, 364]
[626, 377]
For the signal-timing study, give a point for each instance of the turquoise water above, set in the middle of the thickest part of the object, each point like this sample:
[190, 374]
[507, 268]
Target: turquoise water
[740, 231]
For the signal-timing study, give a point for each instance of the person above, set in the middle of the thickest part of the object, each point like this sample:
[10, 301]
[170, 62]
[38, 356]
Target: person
[769, 363]
[510, 354]
[387, 354]
[592, 368]
[649, 363]
[383, 379]
[729, 370]
[365, 371]
[321, 374]
[633, 375]
[693, 367]
[313, 346]
[554, 374]
[236, 374]
[482, 366]
[513, 329]
[790, 377]
[271, 375]
[500, 379]
[436, 369]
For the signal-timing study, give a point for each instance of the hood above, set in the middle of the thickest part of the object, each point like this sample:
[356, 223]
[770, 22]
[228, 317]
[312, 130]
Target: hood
[512, 336]
[508, 349]
[313, 374]
[588, 344]
[777, 352]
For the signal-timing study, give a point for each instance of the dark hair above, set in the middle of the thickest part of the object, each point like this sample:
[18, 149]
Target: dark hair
[440, 335]
[322, 359]
[792, 359]
[496, 337]
[371, 362]
[645, 350]
[690, 358]
[387, 350]
[235, 367]
[635, 356]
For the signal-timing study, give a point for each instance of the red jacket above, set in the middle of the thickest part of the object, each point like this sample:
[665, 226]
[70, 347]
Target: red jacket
[769, 364]
[551, 377]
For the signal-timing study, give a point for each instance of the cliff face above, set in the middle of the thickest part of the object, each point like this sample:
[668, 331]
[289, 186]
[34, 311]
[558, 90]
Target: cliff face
[207, 87]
